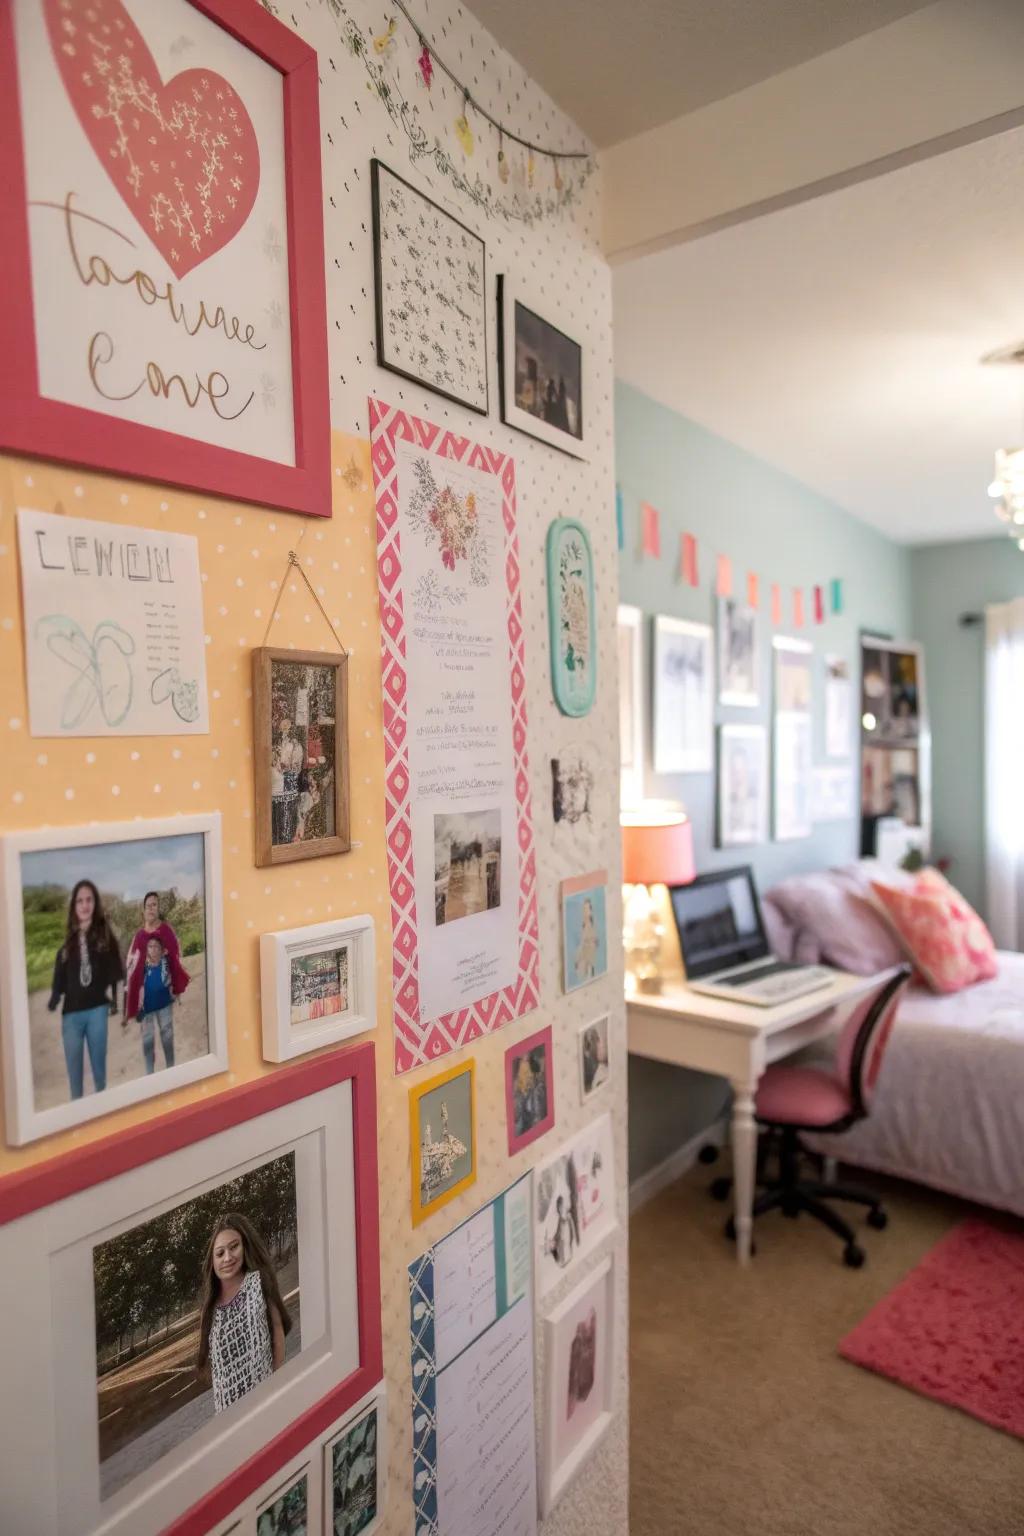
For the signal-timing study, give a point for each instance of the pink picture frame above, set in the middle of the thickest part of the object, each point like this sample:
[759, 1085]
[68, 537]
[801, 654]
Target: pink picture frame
[27, 1192]
[521, 1103]
[42, 427]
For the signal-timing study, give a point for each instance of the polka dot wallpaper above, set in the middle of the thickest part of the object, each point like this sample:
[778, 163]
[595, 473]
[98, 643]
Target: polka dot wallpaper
[243, 553]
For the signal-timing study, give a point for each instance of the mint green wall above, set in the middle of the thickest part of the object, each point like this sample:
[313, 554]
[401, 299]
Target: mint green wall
[947, 580]
[735, 504]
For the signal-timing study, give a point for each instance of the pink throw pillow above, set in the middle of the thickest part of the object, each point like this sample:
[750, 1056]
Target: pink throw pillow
[943, 935]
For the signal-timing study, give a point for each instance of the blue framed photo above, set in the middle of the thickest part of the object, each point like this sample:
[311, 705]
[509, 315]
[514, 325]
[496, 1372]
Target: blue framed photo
[584, 929]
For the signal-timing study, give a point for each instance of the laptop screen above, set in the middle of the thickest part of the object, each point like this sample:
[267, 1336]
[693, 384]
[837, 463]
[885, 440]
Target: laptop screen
[719, 922]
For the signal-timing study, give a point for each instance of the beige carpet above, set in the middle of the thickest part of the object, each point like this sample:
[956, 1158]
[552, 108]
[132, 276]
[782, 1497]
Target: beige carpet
[745, 1421]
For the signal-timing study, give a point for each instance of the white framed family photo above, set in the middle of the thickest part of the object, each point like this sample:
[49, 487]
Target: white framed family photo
[111, 954]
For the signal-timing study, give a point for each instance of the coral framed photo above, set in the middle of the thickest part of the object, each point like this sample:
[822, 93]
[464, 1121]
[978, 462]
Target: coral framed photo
[318, 986]
[111, 968]
[200, 1298]
[571, 616]
[542, 373]
[579, 1338]
[162, 286]
[442, 1138]
[300, 752]
[529, 1089]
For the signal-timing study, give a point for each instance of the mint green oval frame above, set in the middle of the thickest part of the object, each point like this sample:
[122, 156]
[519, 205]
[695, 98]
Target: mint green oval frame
[572, 696]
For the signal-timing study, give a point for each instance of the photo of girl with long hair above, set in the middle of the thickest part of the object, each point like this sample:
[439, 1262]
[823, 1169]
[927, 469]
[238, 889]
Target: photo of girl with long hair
[114, 928]
[195, 1308]
[86, 974]
[243, 1319]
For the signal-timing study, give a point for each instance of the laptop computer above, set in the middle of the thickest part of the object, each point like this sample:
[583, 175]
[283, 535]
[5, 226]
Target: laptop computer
[725, 951]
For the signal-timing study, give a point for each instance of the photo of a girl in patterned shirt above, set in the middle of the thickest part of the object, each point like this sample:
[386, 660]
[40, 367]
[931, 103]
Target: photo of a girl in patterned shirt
[243, 1318]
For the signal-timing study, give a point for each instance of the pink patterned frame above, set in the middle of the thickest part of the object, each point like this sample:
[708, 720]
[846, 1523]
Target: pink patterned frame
[32, 424]
[419, 1040]
[544, 1037]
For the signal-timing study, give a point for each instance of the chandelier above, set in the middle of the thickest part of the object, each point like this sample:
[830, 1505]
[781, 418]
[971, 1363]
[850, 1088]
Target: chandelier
[1007, 491]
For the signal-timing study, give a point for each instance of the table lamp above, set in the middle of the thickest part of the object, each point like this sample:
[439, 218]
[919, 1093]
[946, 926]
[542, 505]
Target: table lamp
[657, 850]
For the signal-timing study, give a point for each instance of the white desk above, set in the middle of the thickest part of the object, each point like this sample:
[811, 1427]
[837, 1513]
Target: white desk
[737, 1041]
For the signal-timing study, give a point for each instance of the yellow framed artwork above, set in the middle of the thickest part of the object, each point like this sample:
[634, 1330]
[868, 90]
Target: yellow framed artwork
[442, 1138]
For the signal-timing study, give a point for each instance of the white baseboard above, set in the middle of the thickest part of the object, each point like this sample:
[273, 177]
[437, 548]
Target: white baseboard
[651, 1183]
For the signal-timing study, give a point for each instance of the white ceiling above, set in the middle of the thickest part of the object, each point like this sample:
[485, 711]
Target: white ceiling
[839, 339]
[620, 66]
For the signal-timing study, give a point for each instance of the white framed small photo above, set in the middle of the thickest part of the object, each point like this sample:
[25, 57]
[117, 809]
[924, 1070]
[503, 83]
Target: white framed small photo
[318, 985]
[578, 1364]
[594, 1061]
[111, 967]
[356, 1468]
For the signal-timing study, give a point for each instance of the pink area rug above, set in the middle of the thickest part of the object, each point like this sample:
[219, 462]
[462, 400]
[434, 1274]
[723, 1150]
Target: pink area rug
[954, 1328]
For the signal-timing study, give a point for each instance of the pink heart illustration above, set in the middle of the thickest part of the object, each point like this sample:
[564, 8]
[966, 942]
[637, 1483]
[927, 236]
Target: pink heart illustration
[182, 154]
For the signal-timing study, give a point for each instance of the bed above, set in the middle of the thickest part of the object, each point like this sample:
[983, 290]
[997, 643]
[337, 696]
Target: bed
[949, 1108]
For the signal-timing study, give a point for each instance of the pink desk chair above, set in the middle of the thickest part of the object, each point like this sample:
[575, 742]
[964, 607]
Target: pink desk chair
[794, 1099]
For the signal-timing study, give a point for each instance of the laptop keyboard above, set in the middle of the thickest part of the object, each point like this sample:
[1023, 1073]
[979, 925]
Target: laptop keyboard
[742, 978]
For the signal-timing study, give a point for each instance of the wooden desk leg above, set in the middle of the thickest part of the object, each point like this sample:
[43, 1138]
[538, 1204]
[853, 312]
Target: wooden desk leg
[744, 1163]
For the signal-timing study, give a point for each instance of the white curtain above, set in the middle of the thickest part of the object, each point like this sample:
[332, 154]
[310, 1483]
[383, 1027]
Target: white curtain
[1004, 771]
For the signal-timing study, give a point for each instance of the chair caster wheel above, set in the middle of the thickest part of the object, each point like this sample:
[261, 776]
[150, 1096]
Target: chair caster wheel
[853, 1257]
[708, 1153]
[720, 1189]
[877, 1219]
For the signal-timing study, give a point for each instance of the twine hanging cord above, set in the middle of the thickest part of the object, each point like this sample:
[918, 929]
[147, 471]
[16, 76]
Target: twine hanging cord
[294, 563]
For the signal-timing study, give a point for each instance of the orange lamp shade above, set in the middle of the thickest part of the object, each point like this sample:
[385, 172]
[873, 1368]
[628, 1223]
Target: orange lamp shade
[658, 852]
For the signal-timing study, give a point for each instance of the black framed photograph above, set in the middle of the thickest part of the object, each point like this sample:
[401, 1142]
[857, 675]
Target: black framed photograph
[431, 284]
[541, 372]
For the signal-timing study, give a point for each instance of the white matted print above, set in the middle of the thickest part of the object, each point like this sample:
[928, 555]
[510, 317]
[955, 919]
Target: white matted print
[115, 1291]
[594, 1056]
[791, 739]
[579, 796]
[573, 1202]
[431, 292]
[738, 655]
[578, 1364]
[112, 971]
[159, 234]
[839, 704]
[285, 1511]
[542, 371]
[683, 696]
[742, 785]
[113, 628]
[318, 986]
[631, 704]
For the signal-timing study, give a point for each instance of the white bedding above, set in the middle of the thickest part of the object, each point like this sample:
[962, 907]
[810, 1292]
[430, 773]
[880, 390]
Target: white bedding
[949, 1107]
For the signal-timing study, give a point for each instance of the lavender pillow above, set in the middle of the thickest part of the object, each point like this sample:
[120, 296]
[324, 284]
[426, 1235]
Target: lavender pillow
[828, 912]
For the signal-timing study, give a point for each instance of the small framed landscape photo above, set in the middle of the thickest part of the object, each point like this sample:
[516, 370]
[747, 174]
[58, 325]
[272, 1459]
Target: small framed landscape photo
[442, 1137]
[541, 372]
[593, 1055]
[111, 968]
[300, 750]
[578, 1338]
[200, 1299]
[584, 929]
[318, 986]
[355, 1472]
[529, 1089]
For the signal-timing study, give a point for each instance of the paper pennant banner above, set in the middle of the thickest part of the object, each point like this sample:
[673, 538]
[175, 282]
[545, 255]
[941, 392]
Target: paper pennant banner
[650, 533]
[798, 607]
[753, 590]
[776, 603]
[619, 521]
[723, 577]
[819, 606]
[688, 559]
[837, 596]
